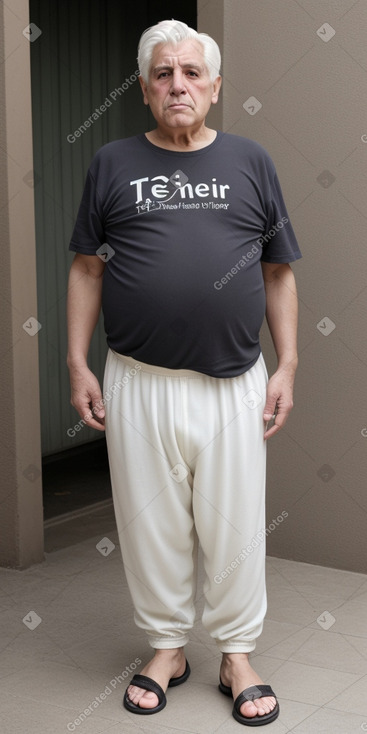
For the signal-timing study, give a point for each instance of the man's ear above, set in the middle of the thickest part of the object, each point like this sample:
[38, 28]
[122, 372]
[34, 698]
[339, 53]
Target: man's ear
[144, 89]
[216, 88]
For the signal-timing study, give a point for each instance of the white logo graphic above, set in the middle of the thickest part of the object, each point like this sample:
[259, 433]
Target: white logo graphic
[32, 620]
[178, 473]
[105, 546]
[32, 326]
[325, 32]
[105, 252]
[252, 105]
[252, 399]
[326, 326]
[31, 32]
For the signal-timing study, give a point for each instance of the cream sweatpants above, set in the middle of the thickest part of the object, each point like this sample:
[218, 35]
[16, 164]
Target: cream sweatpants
[187, 461]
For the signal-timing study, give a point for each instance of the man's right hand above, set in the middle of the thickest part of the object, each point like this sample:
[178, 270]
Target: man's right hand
[84, 305]
[86, 396]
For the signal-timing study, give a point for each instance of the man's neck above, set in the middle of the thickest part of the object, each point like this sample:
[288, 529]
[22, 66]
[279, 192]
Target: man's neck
[182, 140]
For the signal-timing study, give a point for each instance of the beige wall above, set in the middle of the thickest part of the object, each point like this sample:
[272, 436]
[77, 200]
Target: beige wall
[313, 95]
[312, 119]
[21, 529]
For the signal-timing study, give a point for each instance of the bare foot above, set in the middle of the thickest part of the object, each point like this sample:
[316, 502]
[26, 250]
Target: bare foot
[237, 673]
[165, 665]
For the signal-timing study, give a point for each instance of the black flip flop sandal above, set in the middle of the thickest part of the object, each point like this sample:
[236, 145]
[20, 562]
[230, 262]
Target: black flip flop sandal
[143, 681]
[250, 694]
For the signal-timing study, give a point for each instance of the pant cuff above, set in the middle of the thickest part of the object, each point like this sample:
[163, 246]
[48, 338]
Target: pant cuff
[236, 645]
[167, 643]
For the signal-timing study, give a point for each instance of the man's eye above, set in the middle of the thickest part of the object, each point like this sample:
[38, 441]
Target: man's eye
[193, 73]
[162, 74]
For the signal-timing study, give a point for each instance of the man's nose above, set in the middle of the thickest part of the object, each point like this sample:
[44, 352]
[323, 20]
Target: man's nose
[178, 82]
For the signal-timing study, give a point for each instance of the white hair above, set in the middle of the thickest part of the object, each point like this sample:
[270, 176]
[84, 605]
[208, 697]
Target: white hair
[174, 31]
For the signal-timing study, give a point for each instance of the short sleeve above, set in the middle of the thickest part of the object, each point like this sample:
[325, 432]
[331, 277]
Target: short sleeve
[88, 233]
[278, 241]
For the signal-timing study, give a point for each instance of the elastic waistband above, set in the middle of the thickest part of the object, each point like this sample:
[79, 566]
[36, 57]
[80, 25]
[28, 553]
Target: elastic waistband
[154, 369]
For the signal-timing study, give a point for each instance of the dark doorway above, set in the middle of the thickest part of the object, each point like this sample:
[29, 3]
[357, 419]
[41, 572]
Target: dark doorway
[85, 49]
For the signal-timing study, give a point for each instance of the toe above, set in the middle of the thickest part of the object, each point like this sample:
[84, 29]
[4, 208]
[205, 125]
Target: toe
[249, 709]
[141, 697]
[149, 700]
[259, 707]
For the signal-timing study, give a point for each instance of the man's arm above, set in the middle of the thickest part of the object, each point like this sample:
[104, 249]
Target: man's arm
[83, 308]
[282, 316]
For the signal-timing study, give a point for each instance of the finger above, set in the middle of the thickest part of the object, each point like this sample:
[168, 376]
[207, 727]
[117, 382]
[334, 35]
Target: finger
[97, 407]
[96, 411]
[271, 431]
[97, 425]
[271, 426]
[280, 418]
[93, 417]
[270, 407]
[93, 421]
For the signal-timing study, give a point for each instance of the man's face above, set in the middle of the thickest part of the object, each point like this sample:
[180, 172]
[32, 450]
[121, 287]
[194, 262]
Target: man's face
[179, 90]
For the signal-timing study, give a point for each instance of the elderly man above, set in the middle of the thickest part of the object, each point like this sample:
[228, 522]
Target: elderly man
[183, 237]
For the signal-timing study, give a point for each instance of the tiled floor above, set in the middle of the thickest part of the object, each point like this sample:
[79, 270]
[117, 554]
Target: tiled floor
[313, 650]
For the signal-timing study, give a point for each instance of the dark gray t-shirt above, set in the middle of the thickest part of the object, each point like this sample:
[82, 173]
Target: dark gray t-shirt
[183, 236]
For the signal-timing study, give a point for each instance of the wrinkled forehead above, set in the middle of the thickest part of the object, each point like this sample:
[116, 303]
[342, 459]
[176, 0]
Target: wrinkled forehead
[180, 54]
